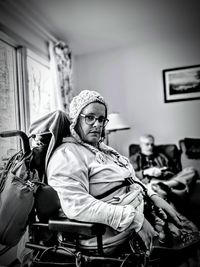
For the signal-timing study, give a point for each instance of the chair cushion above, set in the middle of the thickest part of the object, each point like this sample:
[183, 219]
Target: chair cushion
[173, 154]
[192, 146]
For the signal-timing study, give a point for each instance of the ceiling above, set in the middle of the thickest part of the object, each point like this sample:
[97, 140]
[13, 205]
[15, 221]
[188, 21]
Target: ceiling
[97, 25]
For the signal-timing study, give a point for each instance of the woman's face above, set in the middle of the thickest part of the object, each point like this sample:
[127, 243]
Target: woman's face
[91, 122]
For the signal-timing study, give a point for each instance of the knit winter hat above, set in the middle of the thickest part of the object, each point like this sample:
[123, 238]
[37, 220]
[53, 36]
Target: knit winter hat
[79, 102]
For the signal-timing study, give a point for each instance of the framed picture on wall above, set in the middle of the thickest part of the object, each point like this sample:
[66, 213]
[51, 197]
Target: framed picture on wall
[40, 86]
[181, 84]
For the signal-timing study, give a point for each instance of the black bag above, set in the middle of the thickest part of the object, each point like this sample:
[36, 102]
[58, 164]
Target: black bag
[17, 186]
[21, 190]
[23, 185]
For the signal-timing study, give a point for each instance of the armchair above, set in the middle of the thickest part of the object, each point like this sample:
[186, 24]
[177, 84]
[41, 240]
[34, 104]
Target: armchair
[190, 153]
[190, 156]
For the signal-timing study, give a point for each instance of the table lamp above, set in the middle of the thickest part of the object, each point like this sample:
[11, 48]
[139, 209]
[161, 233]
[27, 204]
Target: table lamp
[116, 123]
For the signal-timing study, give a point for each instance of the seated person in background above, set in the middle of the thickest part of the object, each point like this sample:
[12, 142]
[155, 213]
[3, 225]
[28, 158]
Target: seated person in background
[96, 184]
[151, 167]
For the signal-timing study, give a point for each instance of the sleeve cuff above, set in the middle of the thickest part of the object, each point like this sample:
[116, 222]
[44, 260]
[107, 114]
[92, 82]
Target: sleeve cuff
[131, 218]
[150, 192]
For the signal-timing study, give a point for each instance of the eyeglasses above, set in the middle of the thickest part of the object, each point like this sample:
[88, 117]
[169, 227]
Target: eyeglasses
[91, 119]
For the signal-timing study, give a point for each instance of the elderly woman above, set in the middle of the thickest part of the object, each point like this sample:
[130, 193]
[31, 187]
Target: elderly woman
[89, 178]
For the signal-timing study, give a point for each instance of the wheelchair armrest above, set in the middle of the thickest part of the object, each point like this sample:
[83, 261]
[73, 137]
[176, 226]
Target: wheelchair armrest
[76, 228]
[71, 226]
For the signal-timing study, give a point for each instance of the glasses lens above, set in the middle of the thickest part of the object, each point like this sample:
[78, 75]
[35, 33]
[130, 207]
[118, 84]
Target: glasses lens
[90, 119]
[101, 120]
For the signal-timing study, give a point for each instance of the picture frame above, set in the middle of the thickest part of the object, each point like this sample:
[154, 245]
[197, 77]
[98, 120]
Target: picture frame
[39, 85]
[181, 84]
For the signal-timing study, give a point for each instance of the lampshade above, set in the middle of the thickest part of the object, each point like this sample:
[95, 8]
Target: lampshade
[116, 123]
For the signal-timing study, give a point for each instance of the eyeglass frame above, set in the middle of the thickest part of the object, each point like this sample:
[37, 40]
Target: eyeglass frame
[103, 123]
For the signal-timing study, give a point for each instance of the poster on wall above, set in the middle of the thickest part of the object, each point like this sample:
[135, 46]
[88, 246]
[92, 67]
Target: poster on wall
[39, 86]
[181, 84]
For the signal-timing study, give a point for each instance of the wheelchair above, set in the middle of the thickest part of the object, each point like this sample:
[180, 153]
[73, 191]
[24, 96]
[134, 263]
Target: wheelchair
[55, 240]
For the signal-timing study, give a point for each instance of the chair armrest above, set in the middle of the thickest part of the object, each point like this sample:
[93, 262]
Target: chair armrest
[81, 228]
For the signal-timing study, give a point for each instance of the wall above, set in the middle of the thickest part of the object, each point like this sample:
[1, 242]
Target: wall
[131, 81]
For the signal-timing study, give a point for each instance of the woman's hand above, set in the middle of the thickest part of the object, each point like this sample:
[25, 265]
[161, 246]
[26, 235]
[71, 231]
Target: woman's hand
[147, 233]
[167, 208]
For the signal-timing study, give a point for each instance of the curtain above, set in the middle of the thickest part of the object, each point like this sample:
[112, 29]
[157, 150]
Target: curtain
[61, 70]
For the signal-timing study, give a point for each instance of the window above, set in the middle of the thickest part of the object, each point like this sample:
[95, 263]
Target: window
[25, 91]
[11, 117]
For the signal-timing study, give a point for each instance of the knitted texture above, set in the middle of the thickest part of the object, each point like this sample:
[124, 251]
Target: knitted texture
[82, 100]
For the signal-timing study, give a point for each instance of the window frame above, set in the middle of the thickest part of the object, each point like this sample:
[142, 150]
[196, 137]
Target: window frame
[19, 77]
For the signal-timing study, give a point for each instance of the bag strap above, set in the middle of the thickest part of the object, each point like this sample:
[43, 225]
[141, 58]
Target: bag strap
[128, 181]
